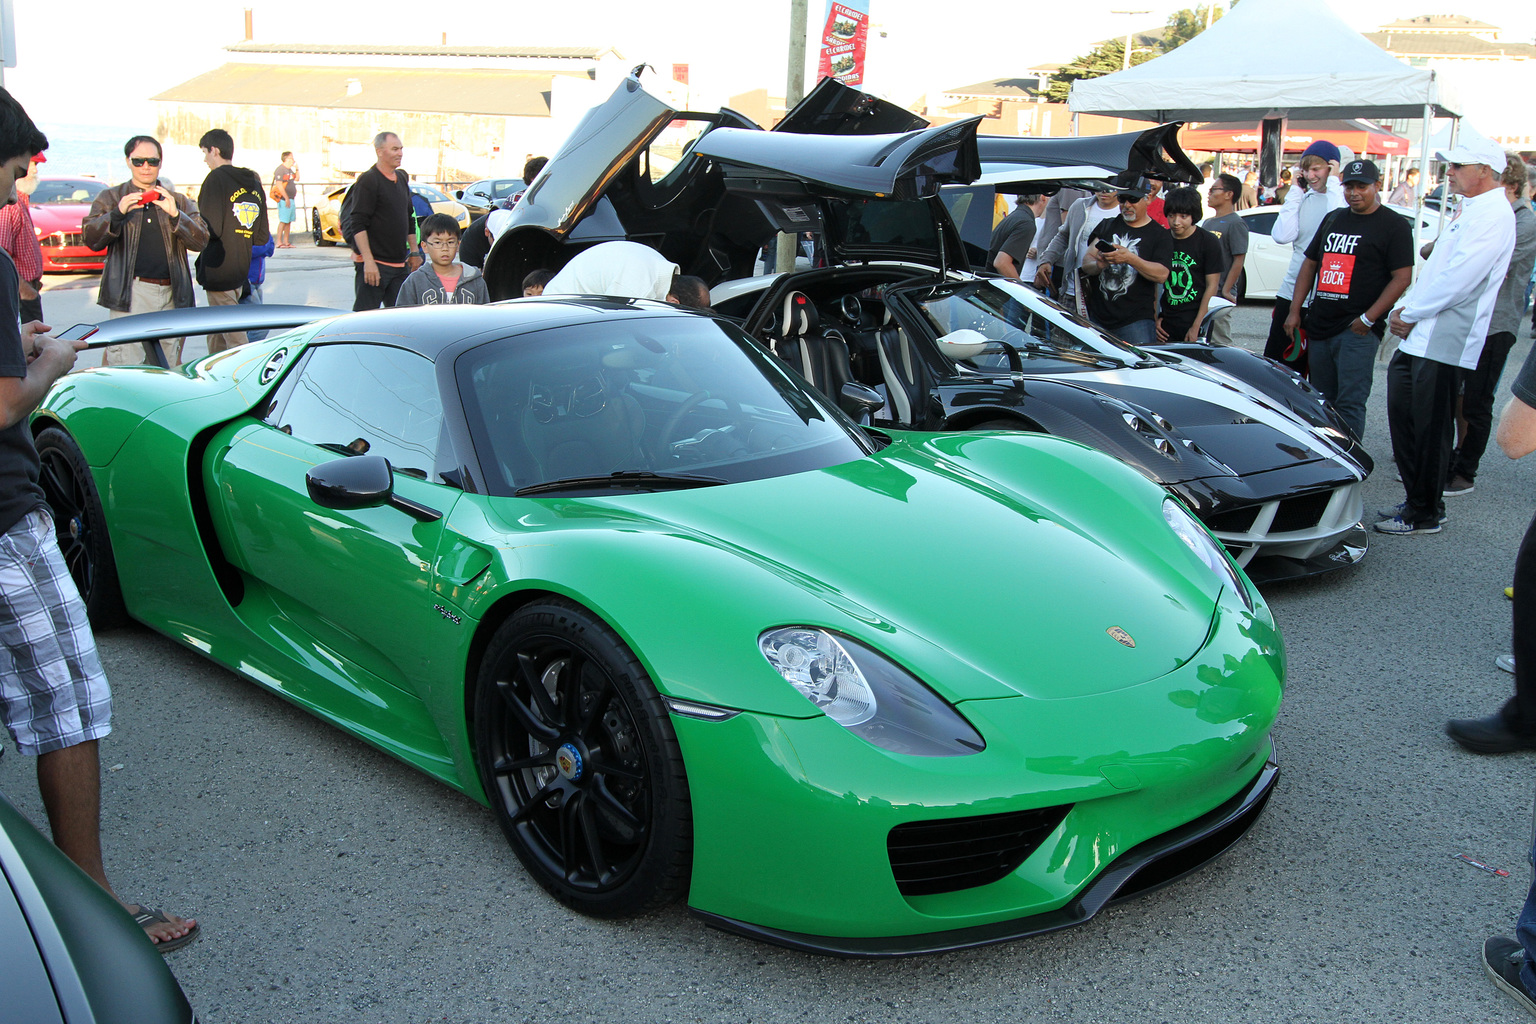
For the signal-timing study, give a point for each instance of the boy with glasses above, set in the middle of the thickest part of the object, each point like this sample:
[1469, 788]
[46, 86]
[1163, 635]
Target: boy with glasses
[147, 228]
[442, 280]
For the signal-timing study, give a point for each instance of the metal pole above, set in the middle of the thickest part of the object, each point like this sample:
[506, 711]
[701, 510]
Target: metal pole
[794, 92]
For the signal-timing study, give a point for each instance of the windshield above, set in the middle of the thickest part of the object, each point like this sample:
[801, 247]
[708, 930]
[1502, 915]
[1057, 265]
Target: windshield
[429, 193]
[1046, 334]
[70, 191]
[682, 395]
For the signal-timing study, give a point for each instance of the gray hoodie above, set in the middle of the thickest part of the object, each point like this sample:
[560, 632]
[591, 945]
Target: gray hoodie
[424, 288]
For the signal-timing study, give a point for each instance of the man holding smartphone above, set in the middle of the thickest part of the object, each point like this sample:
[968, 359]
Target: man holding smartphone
[1127, 258]
[147, 228]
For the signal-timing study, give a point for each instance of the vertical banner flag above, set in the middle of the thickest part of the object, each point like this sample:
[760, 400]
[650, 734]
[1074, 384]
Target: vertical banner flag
[843, 41]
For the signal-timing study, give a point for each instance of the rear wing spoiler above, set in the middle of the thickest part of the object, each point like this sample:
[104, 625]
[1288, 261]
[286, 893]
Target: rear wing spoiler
[149, 328]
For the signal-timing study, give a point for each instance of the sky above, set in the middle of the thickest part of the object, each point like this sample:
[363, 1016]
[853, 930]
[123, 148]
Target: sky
[73, 71]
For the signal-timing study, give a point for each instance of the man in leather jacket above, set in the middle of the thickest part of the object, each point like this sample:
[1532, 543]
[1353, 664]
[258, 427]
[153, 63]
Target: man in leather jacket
[145, 270]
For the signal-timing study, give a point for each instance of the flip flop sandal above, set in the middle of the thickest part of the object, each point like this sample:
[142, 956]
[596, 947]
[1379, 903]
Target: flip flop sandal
[146, 917]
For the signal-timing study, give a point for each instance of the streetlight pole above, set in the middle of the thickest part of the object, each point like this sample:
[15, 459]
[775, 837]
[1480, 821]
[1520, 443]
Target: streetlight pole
[1126, 63]
[794, 92]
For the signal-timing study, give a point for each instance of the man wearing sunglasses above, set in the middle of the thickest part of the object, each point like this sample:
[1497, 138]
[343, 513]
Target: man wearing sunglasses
[1127, 257]
[147, 228]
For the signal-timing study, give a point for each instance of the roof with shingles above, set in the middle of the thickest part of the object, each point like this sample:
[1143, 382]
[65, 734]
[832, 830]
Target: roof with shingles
[423, 90]
[1429, 44]
[360, 50]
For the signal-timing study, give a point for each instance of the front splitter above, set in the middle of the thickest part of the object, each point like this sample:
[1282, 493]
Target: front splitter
[1143, 868]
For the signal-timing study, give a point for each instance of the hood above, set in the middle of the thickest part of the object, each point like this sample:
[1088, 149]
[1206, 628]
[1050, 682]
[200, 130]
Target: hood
[1228, 425]
[66, 217]
[984, 590]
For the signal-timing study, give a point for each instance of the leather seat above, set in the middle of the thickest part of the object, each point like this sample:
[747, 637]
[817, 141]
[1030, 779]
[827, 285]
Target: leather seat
[821, 357]
[907, 382]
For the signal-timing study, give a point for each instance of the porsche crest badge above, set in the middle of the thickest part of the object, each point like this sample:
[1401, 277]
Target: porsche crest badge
[1121, 636]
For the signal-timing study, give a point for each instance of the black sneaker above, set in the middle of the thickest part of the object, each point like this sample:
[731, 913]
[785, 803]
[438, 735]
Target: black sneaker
[1457, 486]
[1491, 735]
[1502, 959]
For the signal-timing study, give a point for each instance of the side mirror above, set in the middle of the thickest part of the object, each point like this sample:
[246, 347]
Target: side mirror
[964, 343]
[364, 481]
[361, 481]
[859, 401]
[967, 343]
[458, 193]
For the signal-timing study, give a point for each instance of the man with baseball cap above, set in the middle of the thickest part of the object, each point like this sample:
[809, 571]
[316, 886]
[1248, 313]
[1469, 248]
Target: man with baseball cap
[1126, 258]
[1360, 260]
[1443, 326]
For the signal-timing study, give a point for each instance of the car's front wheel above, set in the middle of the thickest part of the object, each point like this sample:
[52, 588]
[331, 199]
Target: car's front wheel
[317, 229]
[81, 525]
[579, 760]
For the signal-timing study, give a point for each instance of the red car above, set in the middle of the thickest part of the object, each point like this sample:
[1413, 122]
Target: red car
[59, 205]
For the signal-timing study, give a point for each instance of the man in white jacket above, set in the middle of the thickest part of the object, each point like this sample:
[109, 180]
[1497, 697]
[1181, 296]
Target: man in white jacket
[1316, 194]
[1443, 325]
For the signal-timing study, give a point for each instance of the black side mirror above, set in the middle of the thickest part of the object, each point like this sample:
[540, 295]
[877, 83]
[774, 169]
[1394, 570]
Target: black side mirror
[458, 193]
[362, 481]
[859, 401]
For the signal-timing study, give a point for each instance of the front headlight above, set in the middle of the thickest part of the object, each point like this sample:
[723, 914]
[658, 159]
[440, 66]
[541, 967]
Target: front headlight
[868, 694]
[1205, 548]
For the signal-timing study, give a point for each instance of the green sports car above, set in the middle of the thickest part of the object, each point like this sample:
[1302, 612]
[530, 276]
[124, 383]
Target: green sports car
[685, 626]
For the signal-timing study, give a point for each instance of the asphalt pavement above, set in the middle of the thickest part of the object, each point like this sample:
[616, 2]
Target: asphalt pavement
[334, 883]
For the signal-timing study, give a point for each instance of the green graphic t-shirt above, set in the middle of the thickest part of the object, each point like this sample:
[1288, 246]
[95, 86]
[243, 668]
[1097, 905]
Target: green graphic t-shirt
[1193, 258]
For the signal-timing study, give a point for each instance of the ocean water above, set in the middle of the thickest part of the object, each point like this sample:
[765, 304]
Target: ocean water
[92, 150]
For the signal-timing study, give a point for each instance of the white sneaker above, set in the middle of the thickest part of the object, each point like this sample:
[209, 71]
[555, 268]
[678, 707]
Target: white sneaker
[1506, 662]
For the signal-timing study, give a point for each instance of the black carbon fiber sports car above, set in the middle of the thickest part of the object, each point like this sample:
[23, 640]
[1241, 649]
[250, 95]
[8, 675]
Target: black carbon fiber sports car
[1252, 449]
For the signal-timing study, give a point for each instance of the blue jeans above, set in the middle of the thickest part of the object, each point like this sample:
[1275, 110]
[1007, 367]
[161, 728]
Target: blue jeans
[253, 299]
[1137, 332]
[1342, 368]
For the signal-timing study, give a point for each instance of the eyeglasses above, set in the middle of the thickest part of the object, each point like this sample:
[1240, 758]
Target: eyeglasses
[140, 161]
[1129, 197]
[1456, 167]
[447, 243]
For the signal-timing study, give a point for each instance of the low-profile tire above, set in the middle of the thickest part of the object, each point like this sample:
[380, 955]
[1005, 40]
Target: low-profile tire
[317, 230]
[82, 527]
[580, 763]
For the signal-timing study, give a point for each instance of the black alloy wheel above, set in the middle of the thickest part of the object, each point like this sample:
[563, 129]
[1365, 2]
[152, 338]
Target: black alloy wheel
[81, 525]
[580, 763]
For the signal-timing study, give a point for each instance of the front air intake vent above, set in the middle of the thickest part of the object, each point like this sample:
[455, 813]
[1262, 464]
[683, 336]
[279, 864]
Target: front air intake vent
[950, 854]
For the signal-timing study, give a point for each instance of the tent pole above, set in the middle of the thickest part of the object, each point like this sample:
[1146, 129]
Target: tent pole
[1074, 124]
[1418, 206]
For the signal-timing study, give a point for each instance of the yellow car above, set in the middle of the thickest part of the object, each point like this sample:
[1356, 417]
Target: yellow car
[325, 217]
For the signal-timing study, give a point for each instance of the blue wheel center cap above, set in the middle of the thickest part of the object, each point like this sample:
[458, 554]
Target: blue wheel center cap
[568, 760]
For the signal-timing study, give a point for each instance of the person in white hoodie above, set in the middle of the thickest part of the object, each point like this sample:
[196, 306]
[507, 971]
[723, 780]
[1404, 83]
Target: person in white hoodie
[1066, 248]
[1443, 325]
[1316, 194]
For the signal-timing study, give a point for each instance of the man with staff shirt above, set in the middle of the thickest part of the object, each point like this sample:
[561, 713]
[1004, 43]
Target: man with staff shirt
[1360, 261]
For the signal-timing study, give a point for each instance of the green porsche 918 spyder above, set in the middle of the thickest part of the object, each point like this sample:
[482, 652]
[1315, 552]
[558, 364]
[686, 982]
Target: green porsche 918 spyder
[685, 626]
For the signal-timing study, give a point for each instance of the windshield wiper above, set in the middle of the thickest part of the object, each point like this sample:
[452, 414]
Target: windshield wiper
[624, 480]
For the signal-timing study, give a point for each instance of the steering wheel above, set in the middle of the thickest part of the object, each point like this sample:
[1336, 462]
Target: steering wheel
[669, 440]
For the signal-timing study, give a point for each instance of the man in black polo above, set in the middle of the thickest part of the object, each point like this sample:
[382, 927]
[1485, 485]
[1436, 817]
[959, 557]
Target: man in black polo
[376, 220]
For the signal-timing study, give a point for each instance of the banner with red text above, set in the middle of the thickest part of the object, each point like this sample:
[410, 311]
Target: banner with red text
[843, 41]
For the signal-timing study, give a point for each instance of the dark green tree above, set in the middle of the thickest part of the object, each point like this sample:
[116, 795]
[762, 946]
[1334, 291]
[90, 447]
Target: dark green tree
[1185, 25]
[1106, 59]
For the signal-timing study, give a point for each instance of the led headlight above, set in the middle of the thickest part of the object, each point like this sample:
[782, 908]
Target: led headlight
[1207, 550]
[868, 694]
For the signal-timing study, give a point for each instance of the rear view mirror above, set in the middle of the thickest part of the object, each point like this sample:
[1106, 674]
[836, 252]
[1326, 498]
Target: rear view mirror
[964, 343]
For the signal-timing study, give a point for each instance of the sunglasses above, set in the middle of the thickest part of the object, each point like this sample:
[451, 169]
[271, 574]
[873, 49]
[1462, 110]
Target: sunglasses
[1129, 197]
[140, 161]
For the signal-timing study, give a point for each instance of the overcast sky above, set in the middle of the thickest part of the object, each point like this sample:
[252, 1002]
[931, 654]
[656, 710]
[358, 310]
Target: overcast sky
[101, 64]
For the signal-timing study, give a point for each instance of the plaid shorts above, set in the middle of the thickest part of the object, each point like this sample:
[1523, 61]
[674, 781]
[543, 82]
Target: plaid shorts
[53, 693]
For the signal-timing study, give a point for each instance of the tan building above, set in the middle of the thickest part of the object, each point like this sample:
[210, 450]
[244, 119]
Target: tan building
[462, 112]
[1491, 74]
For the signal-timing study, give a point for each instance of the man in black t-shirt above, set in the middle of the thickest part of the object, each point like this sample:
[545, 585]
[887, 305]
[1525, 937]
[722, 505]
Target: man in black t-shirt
[376, 222]
[1011, 241]
[1195, 271]
[1127, 258]
[1361, 261]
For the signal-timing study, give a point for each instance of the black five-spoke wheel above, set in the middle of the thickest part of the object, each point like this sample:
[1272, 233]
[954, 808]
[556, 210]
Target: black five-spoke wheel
[81, 526]
[580, 763]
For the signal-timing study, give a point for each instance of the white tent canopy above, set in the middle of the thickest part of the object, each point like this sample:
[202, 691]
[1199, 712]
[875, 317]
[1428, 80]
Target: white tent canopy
[1267, 59]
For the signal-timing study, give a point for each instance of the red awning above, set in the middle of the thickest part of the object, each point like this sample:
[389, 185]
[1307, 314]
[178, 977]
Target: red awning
[1359, 136]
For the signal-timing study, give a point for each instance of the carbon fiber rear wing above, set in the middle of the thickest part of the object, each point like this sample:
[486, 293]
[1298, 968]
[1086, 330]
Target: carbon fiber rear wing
[177, 323]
